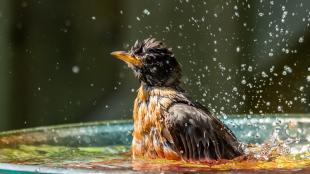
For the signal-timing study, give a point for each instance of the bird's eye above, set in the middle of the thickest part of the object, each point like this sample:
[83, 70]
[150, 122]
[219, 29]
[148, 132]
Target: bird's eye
[138, 51]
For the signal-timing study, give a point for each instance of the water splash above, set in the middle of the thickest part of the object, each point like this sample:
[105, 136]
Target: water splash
[271, 144]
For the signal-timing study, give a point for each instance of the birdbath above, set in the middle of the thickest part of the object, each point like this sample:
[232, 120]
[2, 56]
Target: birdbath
[274, 143]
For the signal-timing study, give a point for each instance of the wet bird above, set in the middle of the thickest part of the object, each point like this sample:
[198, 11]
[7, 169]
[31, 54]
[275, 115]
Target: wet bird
[167, 123]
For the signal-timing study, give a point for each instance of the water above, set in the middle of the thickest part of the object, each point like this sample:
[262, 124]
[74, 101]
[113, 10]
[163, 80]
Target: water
[277, 143]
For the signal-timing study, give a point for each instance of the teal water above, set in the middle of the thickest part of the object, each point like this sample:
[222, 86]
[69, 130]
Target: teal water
[278, 143]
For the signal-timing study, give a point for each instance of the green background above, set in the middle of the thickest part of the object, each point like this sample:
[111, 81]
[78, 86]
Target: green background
[237, 56]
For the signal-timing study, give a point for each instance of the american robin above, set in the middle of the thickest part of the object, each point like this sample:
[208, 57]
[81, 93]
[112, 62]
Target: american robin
[167, 123]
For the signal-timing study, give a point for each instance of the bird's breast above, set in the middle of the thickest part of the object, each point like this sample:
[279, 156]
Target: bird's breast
[149, 112]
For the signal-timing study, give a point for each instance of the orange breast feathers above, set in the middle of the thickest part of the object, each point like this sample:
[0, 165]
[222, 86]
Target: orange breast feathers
[150, 134]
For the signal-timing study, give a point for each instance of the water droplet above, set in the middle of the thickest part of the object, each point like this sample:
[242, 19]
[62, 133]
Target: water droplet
[250, 68]
[301, 39]
[146, 12]
[243, 82]
[235, 89]
[288, 69]
[280, 108]
[264, 74]
[75, 69]
[270, 54]
[238, 49]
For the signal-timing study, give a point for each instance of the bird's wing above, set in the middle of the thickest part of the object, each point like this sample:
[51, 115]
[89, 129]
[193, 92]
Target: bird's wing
[198, 135]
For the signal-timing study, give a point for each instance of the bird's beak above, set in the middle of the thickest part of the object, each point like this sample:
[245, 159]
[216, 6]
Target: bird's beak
[124, 56]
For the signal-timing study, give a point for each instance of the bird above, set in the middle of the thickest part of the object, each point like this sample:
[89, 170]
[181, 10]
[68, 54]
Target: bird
[167, 123]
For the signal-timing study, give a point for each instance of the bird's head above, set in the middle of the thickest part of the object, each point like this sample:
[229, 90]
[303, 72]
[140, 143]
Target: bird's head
[152, 62]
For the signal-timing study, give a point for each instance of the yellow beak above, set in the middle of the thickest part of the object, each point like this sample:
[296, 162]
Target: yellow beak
[122, 55]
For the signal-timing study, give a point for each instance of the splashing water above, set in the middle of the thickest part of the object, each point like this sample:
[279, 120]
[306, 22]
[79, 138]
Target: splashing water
[266, 157]
[271, 144]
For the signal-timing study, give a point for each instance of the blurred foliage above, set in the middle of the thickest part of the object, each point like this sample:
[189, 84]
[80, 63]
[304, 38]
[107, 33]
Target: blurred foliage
[237, 56]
